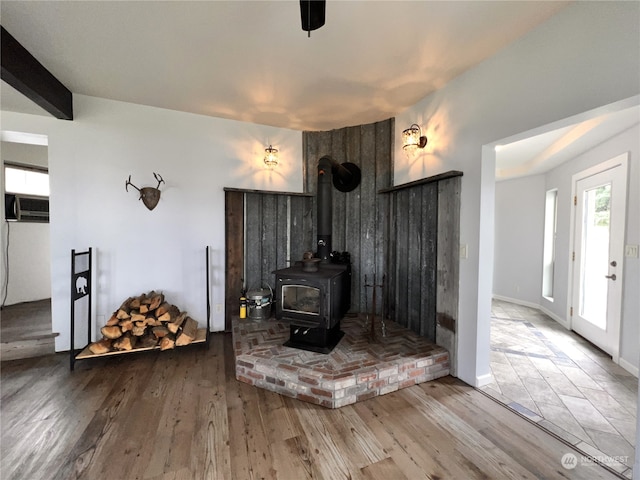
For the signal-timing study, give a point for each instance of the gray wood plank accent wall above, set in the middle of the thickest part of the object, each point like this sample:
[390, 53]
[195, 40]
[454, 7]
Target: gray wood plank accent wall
[360, 217]
[265, 231]
[423, 248]
[407, 235]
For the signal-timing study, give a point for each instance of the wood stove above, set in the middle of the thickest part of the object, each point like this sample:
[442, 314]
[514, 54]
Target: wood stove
[313, 303]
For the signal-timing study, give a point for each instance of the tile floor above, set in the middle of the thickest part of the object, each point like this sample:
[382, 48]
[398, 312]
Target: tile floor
[565, 384]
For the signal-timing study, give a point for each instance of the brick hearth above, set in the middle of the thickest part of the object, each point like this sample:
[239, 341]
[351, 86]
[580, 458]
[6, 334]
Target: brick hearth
[354, 371]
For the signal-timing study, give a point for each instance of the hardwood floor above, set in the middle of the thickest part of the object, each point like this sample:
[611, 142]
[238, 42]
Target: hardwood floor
[25, 330]
[182, 415]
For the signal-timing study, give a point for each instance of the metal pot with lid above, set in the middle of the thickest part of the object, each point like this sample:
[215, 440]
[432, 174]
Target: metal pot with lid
[259, 303]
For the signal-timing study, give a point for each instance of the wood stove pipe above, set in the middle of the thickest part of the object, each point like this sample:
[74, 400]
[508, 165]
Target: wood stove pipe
[345, 177]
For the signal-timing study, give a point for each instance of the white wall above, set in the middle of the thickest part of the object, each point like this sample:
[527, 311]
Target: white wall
[28, 254]
[560, 178]
[519, 226]
[586, 56]
[137, 249]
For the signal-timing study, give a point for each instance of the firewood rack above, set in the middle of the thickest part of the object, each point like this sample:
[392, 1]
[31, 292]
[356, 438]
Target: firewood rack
[81, 287]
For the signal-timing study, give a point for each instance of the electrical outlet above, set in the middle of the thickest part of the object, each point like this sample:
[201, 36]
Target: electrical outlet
[463, 251]
[631, 251]
[218, 308]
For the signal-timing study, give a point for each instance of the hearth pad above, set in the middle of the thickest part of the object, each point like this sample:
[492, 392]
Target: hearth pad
[354, 371]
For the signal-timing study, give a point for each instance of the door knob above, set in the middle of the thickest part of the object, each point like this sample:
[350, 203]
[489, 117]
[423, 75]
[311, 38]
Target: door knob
[612, 277]
[614, 263]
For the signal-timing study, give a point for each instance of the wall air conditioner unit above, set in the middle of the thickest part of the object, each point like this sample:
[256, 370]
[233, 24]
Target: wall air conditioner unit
[26, 208]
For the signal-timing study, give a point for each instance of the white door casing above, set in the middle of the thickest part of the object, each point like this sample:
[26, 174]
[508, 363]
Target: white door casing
[594, 306]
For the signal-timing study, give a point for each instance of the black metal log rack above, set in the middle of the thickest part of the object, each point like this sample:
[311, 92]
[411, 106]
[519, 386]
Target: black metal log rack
[81, 287]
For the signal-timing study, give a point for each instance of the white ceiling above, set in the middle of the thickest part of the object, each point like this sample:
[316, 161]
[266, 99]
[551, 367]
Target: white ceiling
[251, 61]
[540, 153]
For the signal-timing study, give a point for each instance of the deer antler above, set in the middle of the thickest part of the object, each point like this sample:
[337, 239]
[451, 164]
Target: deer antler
[158, 178]
[128, 182]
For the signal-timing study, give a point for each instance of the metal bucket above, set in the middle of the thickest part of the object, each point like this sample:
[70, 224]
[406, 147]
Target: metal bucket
[259, 304]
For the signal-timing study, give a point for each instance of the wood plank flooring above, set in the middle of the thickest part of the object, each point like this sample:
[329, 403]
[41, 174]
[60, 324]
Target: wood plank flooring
[25, 330]
[182, 415]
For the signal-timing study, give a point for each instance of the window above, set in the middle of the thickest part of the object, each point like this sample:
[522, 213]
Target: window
[549, 248]
[26, 180]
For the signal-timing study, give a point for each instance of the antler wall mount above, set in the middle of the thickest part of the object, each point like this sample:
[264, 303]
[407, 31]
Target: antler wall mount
[150, 196]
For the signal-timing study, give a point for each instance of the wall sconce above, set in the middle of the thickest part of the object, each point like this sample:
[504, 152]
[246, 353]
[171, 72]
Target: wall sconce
[271, 156]
[412, 139]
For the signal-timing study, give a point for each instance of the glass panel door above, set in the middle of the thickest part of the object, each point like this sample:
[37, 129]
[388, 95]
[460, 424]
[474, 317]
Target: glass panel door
[597, 271]
[594, 286]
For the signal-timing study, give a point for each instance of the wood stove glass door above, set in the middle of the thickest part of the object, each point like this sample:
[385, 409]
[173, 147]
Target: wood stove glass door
[301, 299]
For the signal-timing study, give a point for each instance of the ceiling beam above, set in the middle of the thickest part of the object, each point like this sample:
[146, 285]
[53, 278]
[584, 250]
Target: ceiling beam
[23, 72]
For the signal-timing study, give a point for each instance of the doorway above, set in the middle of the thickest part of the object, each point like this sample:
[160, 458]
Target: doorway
[543, 370]
[25, 327]
[599, 213]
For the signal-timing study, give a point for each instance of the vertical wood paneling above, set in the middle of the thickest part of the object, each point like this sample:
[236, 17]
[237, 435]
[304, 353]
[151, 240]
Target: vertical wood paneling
[359, 217]
[414, 233]
[275, 231]
[391, 255]
[301, 221]
[384, 179]
[353, 204]
[282, 232]
[234, 253]
[269, 240]
[448, 266]
[423, 291]
[364, 264]
[339, 202]
[253, 240]
[428, 264]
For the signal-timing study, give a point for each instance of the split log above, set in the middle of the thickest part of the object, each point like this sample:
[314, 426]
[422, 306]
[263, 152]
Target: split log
[168, 342]
[113, 320]
[175, 324]
[148, 340]
[126, 342]
[126, 325]
[171, 314]
[188, 333]
[139, 331]
[144, 308]
[137, 301]
[125, 308]
[111, 332]
[148, 298]
[160, 332]
[162, 309]
[100, 347]
[156, 301]
[136, 316]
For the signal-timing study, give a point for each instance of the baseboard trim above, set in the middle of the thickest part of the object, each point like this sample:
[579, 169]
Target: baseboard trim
[537, 306]
[558, 319]
[483, 380]
[516, 301]
[629, 367]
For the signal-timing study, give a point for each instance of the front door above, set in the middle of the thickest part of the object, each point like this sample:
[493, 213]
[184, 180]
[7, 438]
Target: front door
[600, 205]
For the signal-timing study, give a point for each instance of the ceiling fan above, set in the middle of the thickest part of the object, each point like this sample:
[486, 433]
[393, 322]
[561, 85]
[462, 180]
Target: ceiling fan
[312, 14]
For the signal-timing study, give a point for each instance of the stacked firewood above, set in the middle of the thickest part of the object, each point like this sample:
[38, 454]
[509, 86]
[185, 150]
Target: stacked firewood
[145, 322]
